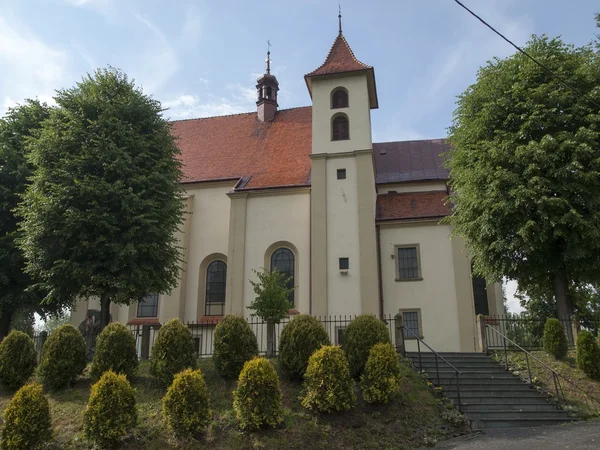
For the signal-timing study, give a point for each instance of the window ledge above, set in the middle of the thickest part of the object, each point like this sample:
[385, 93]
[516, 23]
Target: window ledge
[410, 279]
[293, 312]
[144, 321]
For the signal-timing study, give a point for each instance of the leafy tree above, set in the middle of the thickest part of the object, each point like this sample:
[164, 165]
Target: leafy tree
[54, 321]
[272, 301]
[525, 169]
[16, 128]
[101, 214]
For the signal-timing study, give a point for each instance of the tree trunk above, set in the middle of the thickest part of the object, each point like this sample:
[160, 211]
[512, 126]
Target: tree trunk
[270, 339]
[104, 310]
[5, 321]
[564, 308]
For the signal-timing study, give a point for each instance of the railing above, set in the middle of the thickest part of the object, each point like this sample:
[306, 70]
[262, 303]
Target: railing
[555, 375]
[457, 372]
[525, 330]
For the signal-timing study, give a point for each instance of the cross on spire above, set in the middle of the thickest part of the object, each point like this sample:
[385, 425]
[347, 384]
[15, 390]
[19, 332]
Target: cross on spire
[340, 17]
[268, 60]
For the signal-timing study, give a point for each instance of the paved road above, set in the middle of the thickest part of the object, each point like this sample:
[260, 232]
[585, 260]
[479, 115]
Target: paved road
[580, 436]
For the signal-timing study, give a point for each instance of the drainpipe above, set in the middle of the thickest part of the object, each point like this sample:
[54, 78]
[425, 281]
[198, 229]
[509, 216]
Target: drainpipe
[380, 279]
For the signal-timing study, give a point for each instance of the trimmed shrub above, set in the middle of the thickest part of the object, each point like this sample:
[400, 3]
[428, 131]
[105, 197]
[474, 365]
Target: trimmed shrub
[17, 360]
[64, 357]
[257, 399]
[588, 354]
[110, 414]
[381, 379]
[172, 352]
[299, 339]
[186, 405]
[27, 419]
[115, 350]
[555, 341]
[235, 343]
[361, 334]
[327, 381]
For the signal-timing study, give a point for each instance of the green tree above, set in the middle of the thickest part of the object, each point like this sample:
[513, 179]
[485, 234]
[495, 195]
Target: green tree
[104, 205]
[525, 169]
[16, 128]
[271, 302]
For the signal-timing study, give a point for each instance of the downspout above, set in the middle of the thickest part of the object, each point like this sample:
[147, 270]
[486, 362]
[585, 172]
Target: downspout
[310, 261]
[380, 279]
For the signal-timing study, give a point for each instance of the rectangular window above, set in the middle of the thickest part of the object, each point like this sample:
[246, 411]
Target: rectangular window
[344, 263]
[411, 319]
[341, 174]
[408, 263]
[148, 307]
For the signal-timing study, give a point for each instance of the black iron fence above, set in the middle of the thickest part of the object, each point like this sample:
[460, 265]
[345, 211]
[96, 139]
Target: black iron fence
[525, 331]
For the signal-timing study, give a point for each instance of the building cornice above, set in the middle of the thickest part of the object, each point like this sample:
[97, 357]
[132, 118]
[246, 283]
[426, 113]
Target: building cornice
[368, 151]
[265, 192]
[425, 221]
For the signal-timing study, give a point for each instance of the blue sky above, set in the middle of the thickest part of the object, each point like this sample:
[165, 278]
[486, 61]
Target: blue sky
[201, 57]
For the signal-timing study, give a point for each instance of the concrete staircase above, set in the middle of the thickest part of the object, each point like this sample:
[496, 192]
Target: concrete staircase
[490, 396]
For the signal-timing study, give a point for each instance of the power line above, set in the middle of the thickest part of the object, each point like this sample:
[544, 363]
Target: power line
[543, 66]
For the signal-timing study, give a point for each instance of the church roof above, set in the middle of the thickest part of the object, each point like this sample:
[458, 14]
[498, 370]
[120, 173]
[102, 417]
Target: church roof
[339, 60]
[412, 206]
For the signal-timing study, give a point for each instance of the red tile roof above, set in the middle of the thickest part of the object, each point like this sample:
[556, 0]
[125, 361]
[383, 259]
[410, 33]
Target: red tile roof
[411, 206]
[340, 59]
[270, 154]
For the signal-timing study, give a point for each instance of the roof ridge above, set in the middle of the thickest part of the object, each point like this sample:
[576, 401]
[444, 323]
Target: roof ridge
[411, 140]
[232, 115]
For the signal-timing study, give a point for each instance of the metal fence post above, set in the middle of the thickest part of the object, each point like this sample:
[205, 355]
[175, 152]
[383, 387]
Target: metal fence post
[399, 334]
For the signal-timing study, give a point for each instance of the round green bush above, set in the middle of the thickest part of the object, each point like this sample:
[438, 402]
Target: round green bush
[116, 351]
[361, 334]
[555, 341]
[17, 360]
[257, 399]
[327, 381]
[235, 343]
[186, 405]
[64, 357]
[588, 354]
[110, 414]
[381, 379]
[27, 420]
[172, 352]
[299, 339]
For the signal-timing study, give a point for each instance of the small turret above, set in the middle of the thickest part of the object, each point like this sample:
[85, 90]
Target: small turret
[267, 87]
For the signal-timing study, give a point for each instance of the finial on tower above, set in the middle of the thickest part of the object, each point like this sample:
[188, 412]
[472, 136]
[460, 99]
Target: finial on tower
[340, 17]
[268, 60]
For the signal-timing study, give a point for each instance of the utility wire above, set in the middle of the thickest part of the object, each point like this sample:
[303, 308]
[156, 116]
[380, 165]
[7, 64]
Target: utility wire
[543, 66]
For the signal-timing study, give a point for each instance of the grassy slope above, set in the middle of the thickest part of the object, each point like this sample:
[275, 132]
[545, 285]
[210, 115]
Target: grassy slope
[414, 419]
[581, 393]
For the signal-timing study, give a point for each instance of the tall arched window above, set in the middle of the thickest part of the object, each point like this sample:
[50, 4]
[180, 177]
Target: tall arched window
[282, 259]
[216, 280]
[340, 128]
[339, 98]
[480, 295]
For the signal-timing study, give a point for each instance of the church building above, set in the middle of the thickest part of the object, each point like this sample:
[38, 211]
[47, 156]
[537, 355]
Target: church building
[354, 224]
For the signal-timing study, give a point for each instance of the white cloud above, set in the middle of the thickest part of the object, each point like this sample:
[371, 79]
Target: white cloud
[108, 8]
[29, 67]
[188, 106]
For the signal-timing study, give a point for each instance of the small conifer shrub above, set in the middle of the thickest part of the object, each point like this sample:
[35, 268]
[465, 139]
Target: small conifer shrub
[17, 360]
[362, 333]
[555, 341]
[381, 379]
[172, 352]
[64, 357]
[234, 344]
[588, 354]
[116, 351]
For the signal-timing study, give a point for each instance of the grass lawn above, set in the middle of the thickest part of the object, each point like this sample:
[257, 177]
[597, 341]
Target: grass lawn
[581, 393]
[416, 418]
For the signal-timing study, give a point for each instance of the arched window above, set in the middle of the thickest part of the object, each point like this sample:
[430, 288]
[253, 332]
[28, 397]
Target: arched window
[269, 92]
[282, 259]
[339, 99]
[340, 128]
[480, 295]
[216, 280]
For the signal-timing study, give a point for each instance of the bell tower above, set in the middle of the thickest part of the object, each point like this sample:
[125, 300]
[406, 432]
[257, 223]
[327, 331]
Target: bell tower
[266, 88]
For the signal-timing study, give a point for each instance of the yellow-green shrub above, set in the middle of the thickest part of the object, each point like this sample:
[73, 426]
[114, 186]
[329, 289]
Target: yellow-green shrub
[186, 405]
[555, 341]
[110, 414]
[257, 399]
[115, 350]
[381, 379]
[172, 352]
[235, 343]
[299, 339]
[26, 419]
[64, 357]
[362, 333]
[17, 359]
[327, 381]
[588, 354]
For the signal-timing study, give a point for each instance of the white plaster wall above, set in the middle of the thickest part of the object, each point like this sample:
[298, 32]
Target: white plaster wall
[412, 187]
[358, 112]
[274, 218]
[435, 295]
[209, 233]
[343, 291]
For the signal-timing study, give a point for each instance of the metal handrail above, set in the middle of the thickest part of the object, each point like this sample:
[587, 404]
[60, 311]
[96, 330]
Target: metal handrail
[555, 375]
[437, 355]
